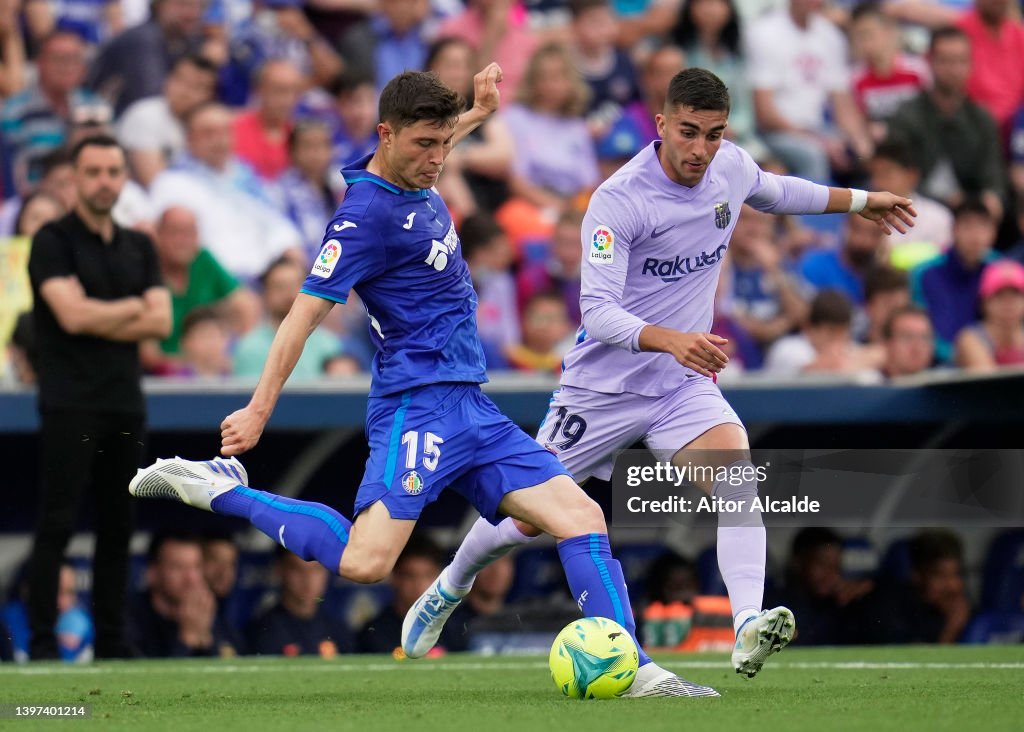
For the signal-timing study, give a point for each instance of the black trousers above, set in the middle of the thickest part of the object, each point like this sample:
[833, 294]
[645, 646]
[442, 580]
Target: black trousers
[78, 450]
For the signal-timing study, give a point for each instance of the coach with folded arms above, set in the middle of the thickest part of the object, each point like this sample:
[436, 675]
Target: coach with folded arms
[97, 293]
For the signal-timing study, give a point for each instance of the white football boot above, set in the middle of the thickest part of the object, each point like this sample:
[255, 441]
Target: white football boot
[426, 618]
[190, 482]
[759, 637]
[652, 681]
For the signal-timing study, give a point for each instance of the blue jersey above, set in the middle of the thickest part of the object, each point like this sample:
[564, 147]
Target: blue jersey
[398, 249]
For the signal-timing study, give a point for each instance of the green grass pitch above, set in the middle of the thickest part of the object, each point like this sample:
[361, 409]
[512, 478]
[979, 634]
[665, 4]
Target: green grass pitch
[912, 688]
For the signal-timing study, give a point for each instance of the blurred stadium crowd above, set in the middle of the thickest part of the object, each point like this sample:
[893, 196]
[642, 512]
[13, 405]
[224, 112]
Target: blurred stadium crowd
[239, 114]
[201, 596]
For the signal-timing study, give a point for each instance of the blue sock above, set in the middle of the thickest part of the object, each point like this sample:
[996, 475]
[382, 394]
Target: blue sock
[310, 530]
[596, 582]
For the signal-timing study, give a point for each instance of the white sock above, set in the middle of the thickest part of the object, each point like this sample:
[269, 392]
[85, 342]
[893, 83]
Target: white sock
[742, 548]
[483, 544]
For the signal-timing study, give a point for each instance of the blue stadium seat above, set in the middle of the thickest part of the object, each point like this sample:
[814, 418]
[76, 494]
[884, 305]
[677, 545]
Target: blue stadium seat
[995, 627]
[1003, 576]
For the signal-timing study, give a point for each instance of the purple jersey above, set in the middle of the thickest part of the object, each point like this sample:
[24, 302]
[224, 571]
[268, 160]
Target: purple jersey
[652, 251]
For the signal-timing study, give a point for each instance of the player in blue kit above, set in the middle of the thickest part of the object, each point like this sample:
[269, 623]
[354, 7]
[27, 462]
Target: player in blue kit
[428, 423]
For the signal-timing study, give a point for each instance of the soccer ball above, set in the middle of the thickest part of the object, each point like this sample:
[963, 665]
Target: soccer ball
[593, 658]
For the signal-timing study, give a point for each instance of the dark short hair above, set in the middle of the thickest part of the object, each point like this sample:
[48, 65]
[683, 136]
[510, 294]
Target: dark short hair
[211, 536]
[933, 545]
[831, 307]
[349, 80]
[421, 546]
[198, 316]
[283, 261]
[869, 9]
[166, 536]
[946, 33]
[414, 96]
[54, 159]
[477, 231]
[201, 62]
[661, 568]
[303, 126]
[972, 206]
[698, 89]
[94, 141]
[685, 34]
[901, 312]
[812, 538]
[896, 152]
[440, 46]
[28, 201]
[883, 279]
[579, 7]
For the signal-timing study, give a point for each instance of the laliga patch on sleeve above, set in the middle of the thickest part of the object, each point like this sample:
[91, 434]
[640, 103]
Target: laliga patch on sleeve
[602, 246]
[324, 263]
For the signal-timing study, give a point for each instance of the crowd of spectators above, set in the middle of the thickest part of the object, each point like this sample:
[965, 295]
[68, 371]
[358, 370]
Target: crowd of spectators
[238, 115]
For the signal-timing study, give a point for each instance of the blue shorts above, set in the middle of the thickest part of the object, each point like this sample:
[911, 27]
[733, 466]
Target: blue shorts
[447, 435]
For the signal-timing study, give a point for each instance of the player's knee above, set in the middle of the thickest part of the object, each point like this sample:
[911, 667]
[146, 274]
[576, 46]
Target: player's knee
[367, 568]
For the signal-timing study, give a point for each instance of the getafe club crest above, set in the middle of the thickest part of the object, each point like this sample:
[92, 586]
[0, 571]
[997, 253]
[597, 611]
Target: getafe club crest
[412, 483]
[722, 214]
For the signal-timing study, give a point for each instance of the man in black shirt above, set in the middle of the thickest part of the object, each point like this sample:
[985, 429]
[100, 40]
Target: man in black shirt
[298, 624]
[97, 293]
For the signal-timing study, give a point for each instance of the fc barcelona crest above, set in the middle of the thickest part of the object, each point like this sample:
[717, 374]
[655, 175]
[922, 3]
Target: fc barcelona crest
[722, 214]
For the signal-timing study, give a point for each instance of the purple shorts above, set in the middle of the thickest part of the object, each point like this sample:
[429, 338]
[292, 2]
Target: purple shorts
[584, 428]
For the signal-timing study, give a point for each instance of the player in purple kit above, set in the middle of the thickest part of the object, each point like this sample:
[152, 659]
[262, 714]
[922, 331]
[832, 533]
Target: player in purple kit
[644, 362]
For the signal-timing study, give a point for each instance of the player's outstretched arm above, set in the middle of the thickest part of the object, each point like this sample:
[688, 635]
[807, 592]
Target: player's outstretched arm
[486, 99]
[241, 430]
[891, 212]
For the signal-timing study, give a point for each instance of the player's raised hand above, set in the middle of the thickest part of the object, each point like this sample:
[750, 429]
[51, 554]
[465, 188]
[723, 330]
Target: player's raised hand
[486, 96]
[891, 212]
[698, 351]
[240, 431]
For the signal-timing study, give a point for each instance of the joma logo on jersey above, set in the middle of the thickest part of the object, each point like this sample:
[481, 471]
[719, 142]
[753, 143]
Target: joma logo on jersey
[672, 270]
[440, 250]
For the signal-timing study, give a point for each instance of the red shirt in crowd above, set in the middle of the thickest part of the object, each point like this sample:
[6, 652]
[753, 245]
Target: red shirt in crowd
[879, 96]
[997, 70]
[267, 156]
